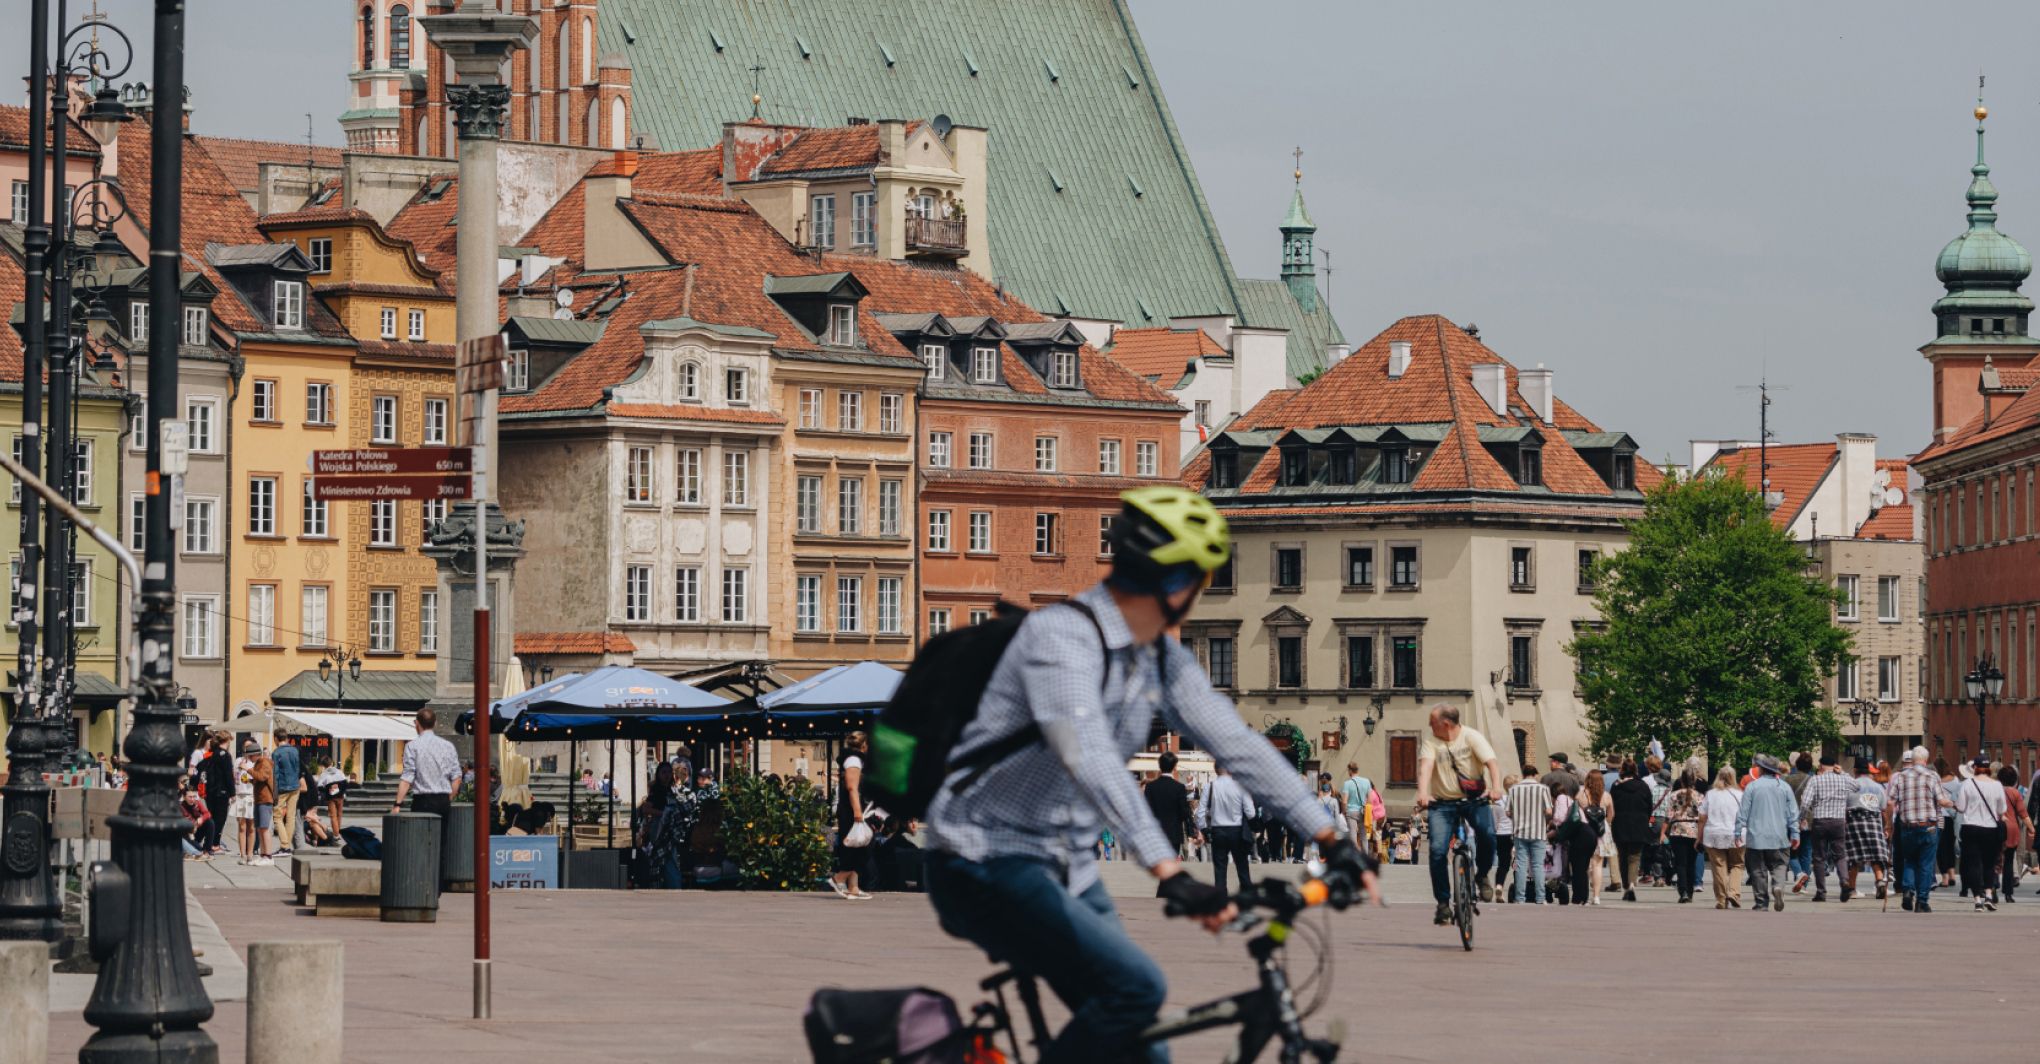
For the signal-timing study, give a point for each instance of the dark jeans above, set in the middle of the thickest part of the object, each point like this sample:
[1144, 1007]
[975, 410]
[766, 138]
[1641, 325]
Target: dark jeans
[1980, 849]
[1505, 855]
[1445, 818]
[1579, 860]
[1234, 844]
[1824, 838]
[439, 805]
[1919, 849]
[218, 808]
[1018, 911]
[1682, 865]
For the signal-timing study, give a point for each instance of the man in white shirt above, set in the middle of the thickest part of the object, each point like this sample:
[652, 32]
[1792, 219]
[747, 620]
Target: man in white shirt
[1981, 801]
[1224, 815]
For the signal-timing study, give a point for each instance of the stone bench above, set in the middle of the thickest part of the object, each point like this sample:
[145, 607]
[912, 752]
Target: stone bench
[345, 888]
[301, 865]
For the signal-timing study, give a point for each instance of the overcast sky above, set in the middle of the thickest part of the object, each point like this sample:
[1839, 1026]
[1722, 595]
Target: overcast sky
[1659, 202]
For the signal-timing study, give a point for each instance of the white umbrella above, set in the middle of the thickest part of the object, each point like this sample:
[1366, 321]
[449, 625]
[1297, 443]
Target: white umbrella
[516, 768]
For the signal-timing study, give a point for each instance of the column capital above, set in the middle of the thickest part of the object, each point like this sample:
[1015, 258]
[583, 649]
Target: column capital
[479, 110]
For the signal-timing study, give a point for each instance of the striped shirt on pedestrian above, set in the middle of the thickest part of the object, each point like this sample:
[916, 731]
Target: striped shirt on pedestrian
[1529, 804]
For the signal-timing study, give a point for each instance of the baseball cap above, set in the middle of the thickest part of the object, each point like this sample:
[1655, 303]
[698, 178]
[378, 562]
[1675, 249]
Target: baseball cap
[1830, 759]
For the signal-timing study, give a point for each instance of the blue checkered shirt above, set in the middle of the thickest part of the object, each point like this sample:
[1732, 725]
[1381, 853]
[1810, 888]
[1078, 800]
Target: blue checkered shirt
[431, 765]
[1050, 800]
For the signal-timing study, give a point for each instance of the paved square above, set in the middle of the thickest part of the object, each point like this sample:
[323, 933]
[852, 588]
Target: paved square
[713, 977]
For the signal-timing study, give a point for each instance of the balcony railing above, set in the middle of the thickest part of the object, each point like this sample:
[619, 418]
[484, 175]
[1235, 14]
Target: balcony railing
[940, 236]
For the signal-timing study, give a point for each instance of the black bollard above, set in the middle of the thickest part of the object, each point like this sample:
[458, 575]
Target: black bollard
[410, 868]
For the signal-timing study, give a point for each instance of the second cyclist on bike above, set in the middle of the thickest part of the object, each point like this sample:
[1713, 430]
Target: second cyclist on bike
[1456, 779]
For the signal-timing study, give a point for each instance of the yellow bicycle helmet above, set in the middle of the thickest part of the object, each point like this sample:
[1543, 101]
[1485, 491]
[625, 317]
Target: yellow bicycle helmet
[1167, 532]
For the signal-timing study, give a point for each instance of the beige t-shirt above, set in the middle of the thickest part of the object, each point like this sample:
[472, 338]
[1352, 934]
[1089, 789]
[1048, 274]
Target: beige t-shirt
[1472, 752]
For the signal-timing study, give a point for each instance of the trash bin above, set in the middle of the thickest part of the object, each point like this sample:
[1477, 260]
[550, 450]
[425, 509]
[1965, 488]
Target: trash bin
[457, 857]
[410, 868]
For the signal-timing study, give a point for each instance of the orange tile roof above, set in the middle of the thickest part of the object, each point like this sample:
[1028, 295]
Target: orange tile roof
[12, 278]
[423, 352]
[695, 173]
[1796, 471]
[1162, 353]
[1436, 389]
[242, 160]
[14, 133]
[428, 224]
[1891, 522]
[836, 148]
[213, 213]
[695, 412]
[573, 643]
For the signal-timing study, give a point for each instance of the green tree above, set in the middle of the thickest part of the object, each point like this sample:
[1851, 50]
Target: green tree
[776, 829]
[1718, 637]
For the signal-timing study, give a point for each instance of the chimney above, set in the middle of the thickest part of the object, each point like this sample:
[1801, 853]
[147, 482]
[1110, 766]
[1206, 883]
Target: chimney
[1336, 353]
[1535, 384]
[1491, 380]
[1398, 358]
[1857, 469]
[609, 240]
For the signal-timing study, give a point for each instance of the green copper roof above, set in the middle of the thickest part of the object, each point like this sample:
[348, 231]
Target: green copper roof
[1094, 208]
[1983, 268]
[1298, 217]
[1269, 304]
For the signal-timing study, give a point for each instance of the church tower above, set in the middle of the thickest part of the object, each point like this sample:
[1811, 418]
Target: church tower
[387, 51]
[1299, 233]
[1984, 317]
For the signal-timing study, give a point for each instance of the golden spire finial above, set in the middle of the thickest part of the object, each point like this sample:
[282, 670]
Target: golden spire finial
[1982, 112]
[1299, 165]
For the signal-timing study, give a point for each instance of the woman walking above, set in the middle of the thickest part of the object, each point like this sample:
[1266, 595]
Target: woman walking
[1682, 833]
[1981, 802]
[1631, 801]
[1717, 832]
[661, 831]
[2018, 829]
[1594, 796]
[851, 861]
[242, 809]
[1945, 858]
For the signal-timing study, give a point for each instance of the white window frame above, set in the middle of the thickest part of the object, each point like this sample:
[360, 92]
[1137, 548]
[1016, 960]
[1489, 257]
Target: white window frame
[138, 321]
[687, 476]
[984, 365]
[936, 358]
[842, 325]
[318, 403]
[18, 205]
[891, 505]
[1063, 369]
[202, 424]
[807, 503]
[892, 413]
[938, 530]
[82, 454]
[850, 506]
[315, 515]
[1851, 588]
[978, 532]
[382, 522]
[811, 408]
[81, 594]
[938, 621]
[1047, 454]
[261, 401]
[736, 595]
[262, 506]
[638, 470]
[389, 323]
[737, 386]
[981, 451]
[1147, 458]
[1891, 668]
[195, 326]
[1047, 533]
[415, 324]
[289, 297]
[201, 516]
[382, 419]
[1109, 454]
[849, 604]
[886, 605]
[261, 615]
[849, 411]
[517, 370]
[863, 219]
[687, 594]
[199, 627]
[690, 381]
[637, 593]
[941, 445]
[382, 620]
[807, 602]
[436, 419]
[736, 484]
[428, 621]
[431, 513]
[822, 222]
[315, 614]
[1892, 600]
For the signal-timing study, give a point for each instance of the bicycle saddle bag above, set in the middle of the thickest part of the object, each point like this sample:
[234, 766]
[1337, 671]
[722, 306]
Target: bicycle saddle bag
[913, 1025]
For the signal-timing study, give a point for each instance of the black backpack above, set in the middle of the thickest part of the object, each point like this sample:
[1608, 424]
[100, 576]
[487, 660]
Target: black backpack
[911, 744]
[1597, 820]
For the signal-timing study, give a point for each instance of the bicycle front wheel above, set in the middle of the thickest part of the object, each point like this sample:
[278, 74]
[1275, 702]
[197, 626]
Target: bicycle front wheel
[1463, 902]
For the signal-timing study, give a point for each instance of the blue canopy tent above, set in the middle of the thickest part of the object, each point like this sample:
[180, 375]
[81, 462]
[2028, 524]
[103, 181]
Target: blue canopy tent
[830, 705]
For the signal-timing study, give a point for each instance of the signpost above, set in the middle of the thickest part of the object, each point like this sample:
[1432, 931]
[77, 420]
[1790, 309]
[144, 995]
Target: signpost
[408, 473]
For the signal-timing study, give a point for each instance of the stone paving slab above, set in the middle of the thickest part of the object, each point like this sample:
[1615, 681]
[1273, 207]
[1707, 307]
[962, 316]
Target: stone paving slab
[713, 977]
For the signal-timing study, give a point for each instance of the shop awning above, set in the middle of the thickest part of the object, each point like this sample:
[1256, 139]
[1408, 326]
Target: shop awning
[375, 689]
[338, 725]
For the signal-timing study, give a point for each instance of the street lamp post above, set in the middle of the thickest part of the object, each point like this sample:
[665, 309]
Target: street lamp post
[1864, 711]
[1985, 683]
[352, 662]
[148, 1003]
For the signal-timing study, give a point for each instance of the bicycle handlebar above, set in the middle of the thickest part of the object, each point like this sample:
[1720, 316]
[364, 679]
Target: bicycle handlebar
[1285, 899]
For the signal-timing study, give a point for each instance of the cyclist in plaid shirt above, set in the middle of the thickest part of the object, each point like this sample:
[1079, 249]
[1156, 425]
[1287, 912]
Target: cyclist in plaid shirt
[1917, 799]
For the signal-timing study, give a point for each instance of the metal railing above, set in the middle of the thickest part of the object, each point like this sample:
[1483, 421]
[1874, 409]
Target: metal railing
[936, 234]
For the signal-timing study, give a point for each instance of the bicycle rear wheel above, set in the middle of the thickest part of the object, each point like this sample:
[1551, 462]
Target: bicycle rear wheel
[1463, 898]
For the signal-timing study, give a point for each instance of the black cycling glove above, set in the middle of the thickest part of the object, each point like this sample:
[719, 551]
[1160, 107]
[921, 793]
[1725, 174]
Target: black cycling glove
[1346, 859]
[1190, 896]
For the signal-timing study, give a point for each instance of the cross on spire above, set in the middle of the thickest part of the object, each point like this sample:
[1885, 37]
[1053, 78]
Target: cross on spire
[1299, 164]
[757, 97]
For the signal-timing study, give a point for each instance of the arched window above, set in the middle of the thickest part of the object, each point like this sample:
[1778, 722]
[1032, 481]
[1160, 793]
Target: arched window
[400, 37]
[587, 50]
[566, 75]
[592, 134]
[368, 38]
[616, 123]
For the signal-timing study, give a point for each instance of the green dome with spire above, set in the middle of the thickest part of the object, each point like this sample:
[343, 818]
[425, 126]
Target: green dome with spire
[1983, 268]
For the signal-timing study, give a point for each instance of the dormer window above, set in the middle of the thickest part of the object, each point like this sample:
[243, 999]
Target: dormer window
[138, 322]
[736, 387]
[1625, 472]
[1345, 466]
[690, 381]
[1225, 470]
[1396, 465]
[517, 376]
[290, 304]
[842, 325]
[1063, 372]
[937, 358]
[1530, 467]
[984, 365]
[195, 326]
[1295, 467]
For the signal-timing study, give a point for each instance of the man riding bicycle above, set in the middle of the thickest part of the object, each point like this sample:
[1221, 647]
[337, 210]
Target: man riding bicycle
[1009, 864]
[1456, 779]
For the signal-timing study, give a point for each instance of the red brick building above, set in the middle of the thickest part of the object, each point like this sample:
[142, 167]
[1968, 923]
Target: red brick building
[1983, 583]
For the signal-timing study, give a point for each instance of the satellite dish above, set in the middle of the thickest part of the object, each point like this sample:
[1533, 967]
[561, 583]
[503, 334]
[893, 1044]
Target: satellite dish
[1893, 496]
[943, 125]
[564, 297]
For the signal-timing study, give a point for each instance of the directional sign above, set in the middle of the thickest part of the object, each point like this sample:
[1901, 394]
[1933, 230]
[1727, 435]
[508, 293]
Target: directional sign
[478, 365]
[383, 462]
[393, 486]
